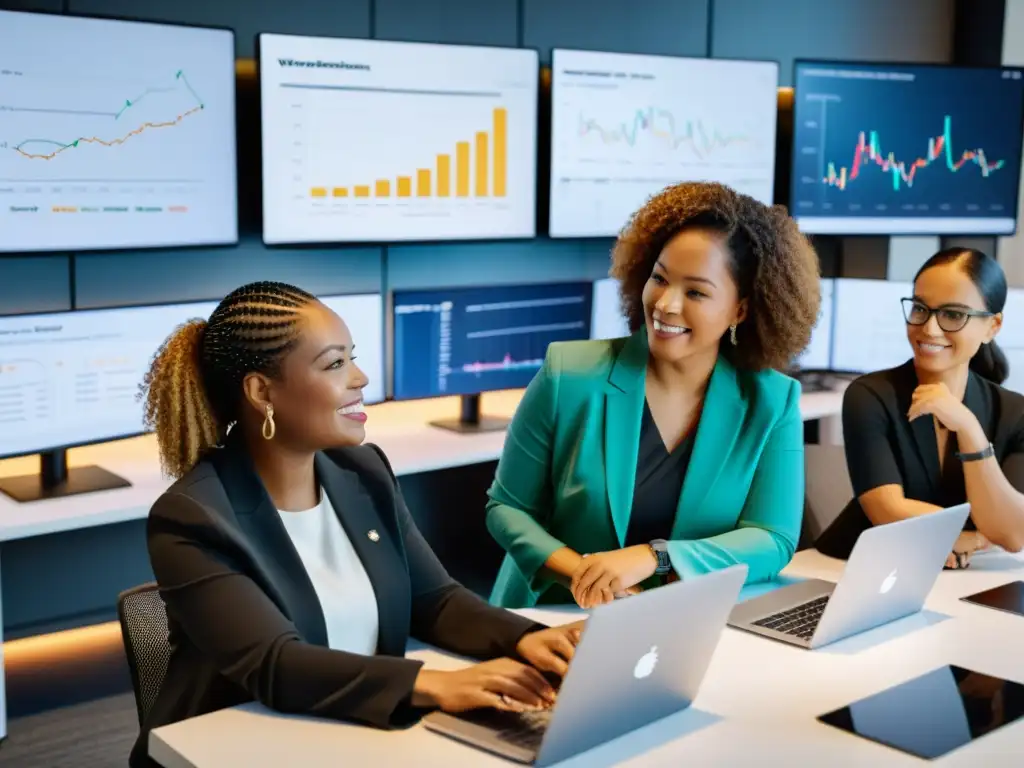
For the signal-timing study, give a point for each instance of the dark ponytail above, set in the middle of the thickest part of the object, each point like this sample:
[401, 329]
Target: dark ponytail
[988, 277]
[990, 363]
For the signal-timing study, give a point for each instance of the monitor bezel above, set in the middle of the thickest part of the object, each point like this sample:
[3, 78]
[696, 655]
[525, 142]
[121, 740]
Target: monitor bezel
[393, 352]
[551, 125]
[212, 245]
[383, 242]
[155, 305]
[797, 62]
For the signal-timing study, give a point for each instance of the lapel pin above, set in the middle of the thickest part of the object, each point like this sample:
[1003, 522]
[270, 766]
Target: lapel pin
[372, 535]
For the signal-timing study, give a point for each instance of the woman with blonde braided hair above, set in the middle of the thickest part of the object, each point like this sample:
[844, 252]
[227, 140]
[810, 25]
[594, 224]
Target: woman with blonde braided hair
[292, 571]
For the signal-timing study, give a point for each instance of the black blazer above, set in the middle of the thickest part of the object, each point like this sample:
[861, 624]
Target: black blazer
[246, 624]
[884, 448]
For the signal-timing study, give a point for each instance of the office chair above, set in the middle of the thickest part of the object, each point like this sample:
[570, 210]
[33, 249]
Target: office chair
[143, 618]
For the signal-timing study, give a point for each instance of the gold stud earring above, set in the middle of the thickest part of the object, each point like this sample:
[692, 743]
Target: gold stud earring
[732, 334]
[269, 427]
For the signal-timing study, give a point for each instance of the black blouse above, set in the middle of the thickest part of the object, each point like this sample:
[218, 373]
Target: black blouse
[884, 448]
[658, 485]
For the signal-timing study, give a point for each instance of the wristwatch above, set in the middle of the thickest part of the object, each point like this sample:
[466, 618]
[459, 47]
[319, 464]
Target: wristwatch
[660, 549]
[984, 453]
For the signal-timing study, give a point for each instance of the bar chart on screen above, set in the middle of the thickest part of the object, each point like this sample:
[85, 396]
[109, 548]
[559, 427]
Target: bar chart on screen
[371, 140]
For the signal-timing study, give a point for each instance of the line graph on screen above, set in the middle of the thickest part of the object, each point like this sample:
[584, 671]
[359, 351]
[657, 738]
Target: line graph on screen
[51, 148]
[868, 152]
[663, 130]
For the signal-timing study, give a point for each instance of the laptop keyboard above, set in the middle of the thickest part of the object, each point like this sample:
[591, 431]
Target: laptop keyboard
[799, 621]
[524, 729]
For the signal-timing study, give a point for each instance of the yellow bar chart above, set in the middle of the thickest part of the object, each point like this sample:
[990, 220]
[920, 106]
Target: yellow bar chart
[462, 169]
[484, 160]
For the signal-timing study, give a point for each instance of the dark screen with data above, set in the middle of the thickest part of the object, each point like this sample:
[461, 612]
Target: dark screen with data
[464, 341]
[886, 149]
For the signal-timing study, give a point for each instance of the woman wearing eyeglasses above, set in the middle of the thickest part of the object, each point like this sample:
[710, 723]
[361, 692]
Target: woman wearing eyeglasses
[939, 430]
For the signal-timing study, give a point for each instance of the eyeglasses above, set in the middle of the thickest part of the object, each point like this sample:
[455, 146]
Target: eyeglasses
[951, 319]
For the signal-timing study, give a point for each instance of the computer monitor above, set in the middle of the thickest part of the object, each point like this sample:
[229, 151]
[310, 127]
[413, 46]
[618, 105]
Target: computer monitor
[625, 126]
[464, 341]
[115, 134]
[1011, 339]
[371, 140]
[900, 149]
[70, 379]
[869, 332]
[364, 316]
[606, 318]
[818, 355]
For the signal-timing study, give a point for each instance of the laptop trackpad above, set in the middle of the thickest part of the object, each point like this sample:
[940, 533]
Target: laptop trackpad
[935, 713]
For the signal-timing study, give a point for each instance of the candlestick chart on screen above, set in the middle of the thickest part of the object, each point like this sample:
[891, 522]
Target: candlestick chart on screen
[898, 144]
[868, 154]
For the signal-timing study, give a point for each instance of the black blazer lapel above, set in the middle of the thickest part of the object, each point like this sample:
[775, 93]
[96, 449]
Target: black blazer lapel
[922, 429]
[365, 508]
[271, 544]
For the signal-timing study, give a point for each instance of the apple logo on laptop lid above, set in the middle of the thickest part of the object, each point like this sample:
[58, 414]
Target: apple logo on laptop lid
[888, 583]
[645, 666]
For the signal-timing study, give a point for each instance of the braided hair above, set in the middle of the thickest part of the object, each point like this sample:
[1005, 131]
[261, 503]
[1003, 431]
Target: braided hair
[193, 389]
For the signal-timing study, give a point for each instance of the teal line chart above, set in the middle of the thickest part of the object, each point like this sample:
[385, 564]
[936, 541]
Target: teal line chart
[870, 151]
[662, 125]
[55, 148]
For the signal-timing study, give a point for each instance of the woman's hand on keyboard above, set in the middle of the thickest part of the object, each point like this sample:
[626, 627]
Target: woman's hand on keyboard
[502, 684]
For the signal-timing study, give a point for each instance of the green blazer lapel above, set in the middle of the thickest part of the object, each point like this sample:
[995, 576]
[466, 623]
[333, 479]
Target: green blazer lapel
[720, 422]
[624, 408]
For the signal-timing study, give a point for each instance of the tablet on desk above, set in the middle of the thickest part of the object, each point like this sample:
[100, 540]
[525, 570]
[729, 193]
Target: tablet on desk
[1006, 597]
[933, 714]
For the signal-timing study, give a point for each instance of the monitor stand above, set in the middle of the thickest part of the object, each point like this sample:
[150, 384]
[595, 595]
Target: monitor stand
[813, 381]
[470, 420]
[55, 480]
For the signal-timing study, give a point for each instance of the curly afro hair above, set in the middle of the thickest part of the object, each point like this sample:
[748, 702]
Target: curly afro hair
[774, 266]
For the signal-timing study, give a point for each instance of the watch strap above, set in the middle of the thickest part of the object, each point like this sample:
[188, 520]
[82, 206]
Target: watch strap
[660, 549]
[984, 453]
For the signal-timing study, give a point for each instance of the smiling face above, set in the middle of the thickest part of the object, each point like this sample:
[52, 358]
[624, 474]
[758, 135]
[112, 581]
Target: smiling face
[317, 398]
[691, 299]
[947, 288]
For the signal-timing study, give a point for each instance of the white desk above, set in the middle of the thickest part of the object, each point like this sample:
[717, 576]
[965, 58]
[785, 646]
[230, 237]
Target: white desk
[757, 705]
[401, 430]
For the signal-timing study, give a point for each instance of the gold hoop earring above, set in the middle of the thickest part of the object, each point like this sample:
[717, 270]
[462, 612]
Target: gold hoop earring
[732, 334]
[269, 427]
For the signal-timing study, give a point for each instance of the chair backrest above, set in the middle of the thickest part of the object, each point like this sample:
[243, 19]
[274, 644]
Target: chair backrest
[143, 619]
[828, 487]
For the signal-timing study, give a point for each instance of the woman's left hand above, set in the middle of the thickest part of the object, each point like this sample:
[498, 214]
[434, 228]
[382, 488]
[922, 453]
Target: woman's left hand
[602, 576]
[967, 543]
[936, 400]
[551, 650]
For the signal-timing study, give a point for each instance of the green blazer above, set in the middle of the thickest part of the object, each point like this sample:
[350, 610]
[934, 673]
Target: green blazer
[567, 470]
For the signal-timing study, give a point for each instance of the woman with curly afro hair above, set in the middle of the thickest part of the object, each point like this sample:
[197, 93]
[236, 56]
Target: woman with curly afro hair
[677, 450]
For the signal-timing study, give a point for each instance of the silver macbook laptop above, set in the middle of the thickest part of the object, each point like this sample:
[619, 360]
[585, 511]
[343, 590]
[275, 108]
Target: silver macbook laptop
[889, 574]
[640, 659]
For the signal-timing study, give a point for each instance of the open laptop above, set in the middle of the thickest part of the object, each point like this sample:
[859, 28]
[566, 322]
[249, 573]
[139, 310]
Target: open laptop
[640, 659]
[889, 574]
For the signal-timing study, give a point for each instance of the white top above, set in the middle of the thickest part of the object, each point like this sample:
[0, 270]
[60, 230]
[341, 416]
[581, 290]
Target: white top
[346, 595]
